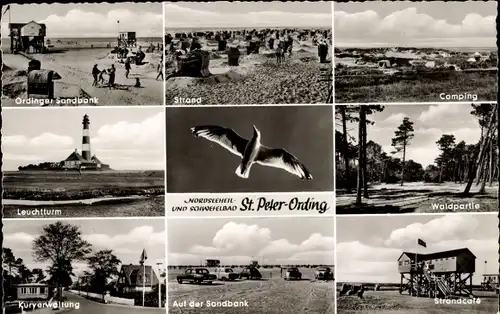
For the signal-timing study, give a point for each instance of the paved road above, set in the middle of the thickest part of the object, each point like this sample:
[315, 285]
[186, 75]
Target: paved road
[91, 307]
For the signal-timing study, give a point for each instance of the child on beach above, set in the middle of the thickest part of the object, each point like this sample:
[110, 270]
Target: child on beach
[127, 67]
[160, 69]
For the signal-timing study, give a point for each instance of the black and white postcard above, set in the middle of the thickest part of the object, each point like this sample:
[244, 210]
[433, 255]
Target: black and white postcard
[417, 264]
[240, 53]
[82, 54]
[273, 265]
[84, 266]
[402, 51]
[83, 162]
[249, 149]
[416, 158]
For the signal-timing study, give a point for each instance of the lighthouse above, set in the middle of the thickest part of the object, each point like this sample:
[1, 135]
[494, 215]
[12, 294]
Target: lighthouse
[86, 139]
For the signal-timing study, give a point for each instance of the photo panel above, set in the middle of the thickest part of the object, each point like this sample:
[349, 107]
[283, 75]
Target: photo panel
[84, 266]
[246, 53]
[403, 51]
[76, 162]
[420, 158]
[251, 265]
[98, 54]
[417, 263]
[249, 149]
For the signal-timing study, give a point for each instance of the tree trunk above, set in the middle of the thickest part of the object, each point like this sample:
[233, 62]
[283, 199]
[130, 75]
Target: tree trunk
[360, 155]
[482, 150]
[346, 149]
[365, 173]
[466, 168]
[486, 170]
[403, 163]
[491, 165]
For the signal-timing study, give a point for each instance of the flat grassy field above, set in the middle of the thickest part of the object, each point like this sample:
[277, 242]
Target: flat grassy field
[414, 88]
[417, 197]
[26, 188]
[271, 295]
[392, 302]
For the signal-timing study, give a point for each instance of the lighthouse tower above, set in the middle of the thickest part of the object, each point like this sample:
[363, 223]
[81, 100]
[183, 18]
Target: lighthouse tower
[86, 139]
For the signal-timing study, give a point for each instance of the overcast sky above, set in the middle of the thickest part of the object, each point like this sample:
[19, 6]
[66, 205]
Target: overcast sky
[198, 165]
[249, 14]
[237, 241]
[368, 247]
[126, 237]
[430, 122]
[416, 24]
[130, 139]
[90, 20]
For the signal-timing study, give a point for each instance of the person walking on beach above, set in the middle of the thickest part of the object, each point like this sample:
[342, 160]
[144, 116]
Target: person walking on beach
[95, 74]
[160, 69]
[112, 73]
[127, 67]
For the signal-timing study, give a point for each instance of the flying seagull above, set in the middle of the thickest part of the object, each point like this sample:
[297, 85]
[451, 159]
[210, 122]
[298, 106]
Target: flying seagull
[252, 151]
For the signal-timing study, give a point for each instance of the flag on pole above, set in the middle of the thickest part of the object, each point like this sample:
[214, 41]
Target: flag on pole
[422, 243]
[7, 8]
[144, 256]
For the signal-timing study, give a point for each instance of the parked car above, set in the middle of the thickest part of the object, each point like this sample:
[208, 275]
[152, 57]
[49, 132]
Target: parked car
[226, 273]
[323, 273]
[250, 273]
[196, 275]
[293, 273]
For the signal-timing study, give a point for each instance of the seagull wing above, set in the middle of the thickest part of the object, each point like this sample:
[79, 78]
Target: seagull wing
[280, 158]
[225, 137]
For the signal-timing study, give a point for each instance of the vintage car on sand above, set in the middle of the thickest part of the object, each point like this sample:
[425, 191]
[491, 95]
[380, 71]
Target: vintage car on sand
[293, 273]
[323, 273]
[226, 273]
[250, 273]
[196, 275]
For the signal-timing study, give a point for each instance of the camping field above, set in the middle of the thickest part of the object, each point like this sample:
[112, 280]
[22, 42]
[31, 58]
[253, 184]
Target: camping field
[106, 193]
[417, 197]
[413, 74]
[272, 294]
[391, 302]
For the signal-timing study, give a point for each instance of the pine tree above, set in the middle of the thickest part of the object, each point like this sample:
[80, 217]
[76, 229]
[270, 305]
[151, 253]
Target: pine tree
[401, 141]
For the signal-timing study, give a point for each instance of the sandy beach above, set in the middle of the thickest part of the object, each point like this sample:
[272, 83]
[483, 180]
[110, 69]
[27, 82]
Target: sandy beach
[258, 79]
[74, 64]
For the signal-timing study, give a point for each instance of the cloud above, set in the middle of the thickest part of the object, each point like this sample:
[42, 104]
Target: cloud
[138, 235]
[14, 140]
[53, 141]
[18, 239]
[177, 16]
[395, 119]
[147, 132]
[446, 228]
[79, 23]
[408, 26]
[236, 239]
[239, 243]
